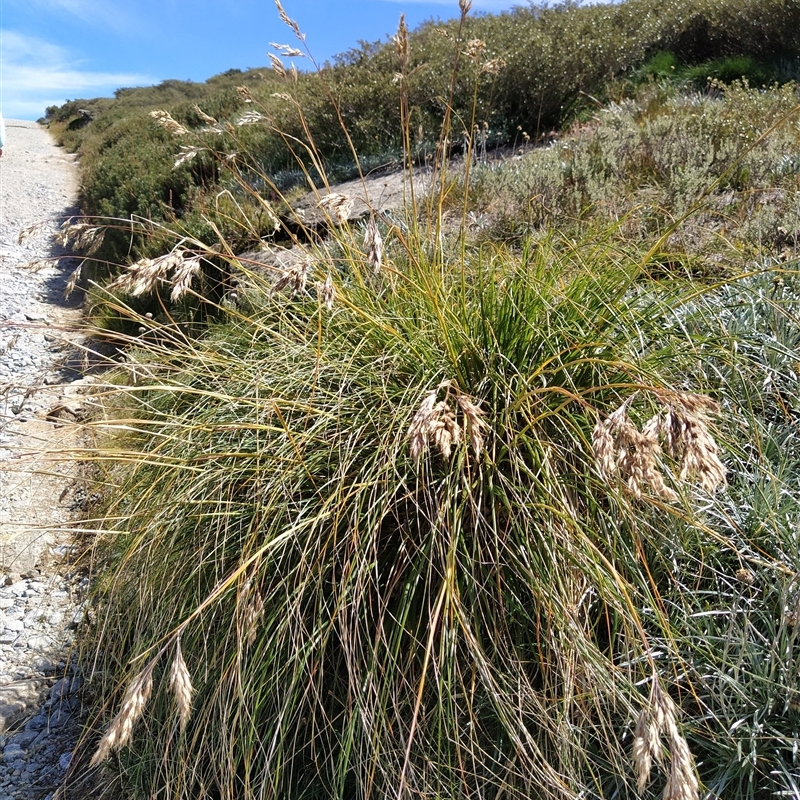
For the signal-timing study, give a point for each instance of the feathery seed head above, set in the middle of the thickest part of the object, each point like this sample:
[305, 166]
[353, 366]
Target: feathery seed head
[181, 684]
[146, 275]
[659, 718]
[31, 230]
[287, 50]
[295, 278]
[464, 7]
[745, 576]
[290, 22]
[80, 236]
[133, 704]
[641, 751]
[165, 120]
[249, 118]
[494, 66]
[327, 292]
[337, 206]
[245, 95]
[474, 48]
[72, 281]
[203, 116]
[624, 453]
[435, 422]
[182, 277]
[475, 420]
[187, 153]
[373, 244]
[277, 65]
[401, 42]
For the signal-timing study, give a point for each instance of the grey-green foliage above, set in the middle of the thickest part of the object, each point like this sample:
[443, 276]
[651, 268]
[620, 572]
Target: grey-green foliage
[737, 614]
[652, 158]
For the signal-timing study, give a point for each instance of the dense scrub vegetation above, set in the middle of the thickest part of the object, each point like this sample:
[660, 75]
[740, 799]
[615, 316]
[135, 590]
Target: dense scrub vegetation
[557, 64]
[496, 496]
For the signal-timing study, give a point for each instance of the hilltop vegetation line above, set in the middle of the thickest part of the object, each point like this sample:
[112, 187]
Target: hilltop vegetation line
[557, 64]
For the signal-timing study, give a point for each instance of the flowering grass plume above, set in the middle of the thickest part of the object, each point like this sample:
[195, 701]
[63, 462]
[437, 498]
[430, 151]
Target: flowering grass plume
[657, 720]
[435, 422]
[133, 704]
[180, 682]
[177, 269]
[72, 281]
[337, 206]
[373, 244]
[624, 453]
[165, 120]
[683, 427]
[80, 235]
[294, 279]
[327, 292]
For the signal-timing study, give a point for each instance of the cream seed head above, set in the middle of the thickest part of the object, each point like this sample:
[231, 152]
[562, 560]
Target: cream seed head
[657, 721]
[373, 244]
[337, 206]
[180, 682]
[633, 458]
[436, 424]
[133, 704]
[165, 120]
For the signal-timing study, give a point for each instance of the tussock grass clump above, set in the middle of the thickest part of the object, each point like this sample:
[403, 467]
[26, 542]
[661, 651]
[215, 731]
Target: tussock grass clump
[380, 531]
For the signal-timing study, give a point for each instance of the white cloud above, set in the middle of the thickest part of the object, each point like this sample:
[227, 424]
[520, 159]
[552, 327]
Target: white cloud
[36, 74]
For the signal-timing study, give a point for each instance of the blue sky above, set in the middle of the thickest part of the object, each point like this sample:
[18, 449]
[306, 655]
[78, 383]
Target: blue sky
[54, 50]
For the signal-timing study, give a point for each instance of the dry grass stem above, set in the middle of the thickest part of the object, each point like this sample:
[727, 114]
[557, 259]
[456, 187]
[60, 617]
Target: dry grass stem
[165, 120]
[373, 244]
[133, 704]
[435, 422]
[337, 206]
[181, 684]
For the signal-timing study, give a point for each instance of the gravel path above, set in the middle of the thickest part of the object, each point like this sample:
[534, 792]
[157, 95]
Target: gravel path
[41, 401]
